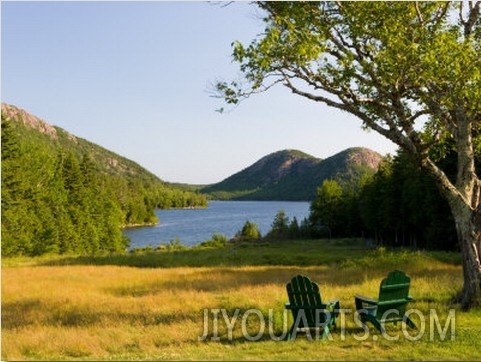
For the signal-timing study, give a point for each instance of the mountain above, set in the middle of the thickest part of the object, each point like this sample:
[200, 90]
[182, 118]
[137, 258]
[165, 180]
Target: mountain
[293, 175]
[64, 194]
[30, 128]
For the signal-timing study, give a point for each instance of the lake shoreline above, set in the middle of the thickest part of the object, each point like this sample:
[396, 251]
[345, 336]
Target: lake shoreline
[194, 226]
[140, 225]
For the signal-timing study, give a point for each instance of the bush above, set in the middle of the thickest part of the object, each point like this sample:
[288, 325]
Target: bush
[250, 231]
[217, 241]
[173, 245]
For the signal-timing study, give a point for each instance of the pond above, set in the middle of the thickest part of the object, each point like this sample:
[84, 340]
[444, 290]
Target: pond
[193, 226]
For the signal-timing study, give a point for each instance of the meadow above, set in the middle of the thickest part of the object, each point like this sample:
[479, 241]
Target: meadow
[153, 304]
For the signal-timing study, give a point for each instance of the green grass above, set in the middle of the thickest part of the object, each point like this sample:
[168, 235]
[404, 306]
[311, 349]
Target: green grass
[343, 253]
[149, 305]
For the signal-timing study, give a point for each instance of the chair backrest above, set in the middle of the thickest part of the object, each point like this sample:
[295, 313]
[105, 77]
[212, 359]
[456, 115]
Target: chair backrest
[302, 292]
[393, 293]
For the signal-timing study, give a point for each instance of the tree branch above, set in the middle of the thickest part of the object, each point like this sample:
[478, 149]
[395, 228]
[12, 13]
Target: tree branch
[418, 13]
[354, 106]
[474, 11]
[449, 191]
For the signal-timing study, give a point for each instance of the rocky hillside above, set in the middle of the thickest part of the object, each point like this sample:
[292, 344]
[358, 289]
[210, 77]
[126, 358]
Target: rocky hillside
[293, 175]
[57, 138]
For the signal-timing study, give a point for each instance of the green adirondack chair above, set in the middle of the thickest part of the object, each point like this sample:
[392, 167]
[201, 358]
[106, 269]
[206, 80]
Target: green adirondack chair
[391, 304]
[307, 308]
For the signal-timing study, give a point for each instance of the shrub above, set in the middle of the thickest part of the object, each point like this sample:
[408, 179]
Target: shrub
[250, 231]
[217, 241]
[173, 245]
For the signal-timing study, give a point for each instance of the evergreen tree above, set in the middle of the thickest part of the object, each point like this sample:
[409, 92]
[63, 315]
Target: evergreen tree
[280, 226]
[294, 230]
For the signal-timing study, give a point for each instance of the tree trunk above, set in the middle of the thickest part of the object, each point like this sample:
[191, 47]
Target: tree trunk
[465, 204]
[468, 226]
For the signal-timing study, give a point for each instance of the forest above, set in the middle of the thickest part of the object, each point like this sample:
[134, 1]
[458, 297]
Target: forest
[58, 195]
[398, 206]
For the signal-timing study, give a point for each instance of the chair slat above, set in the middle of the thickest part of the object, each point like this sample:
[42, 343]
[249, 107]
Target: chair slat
[305, 297]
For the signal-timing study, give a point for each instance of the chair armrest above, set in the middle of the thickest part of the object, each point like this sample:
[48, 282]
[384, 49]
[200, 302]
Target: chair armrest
[366, 300]
[332, 303]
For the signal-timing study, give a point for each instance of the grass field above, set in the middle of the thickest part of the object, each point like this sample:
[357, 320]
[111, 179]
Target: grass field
[151, 305]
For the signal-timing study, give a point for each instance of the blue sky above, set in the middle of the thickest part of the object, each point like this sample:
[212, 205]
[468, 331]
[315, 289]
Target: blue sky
[133, 77]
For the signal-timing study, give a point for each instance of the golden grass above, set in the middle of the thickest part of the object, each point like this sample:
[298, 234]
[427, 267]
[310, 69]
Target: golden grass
[120, 312]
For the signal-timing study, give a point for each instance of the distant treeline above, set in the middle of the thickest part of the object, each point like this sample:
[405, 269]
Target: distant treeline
[398, 206]
[57, 198]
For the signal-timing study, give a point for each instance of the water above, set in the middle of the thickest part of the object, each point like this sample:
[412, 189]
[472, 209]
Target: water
[193, 226]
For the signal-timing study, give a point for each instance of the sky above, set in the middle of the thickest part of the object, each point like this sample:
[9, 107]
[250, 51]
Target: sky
[135, 78]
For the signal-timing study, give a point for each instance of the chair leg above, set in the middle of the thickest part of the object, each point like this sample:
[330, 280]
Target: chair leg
[378, 325]
[291, 331]
[325, 332]
[335, 314]
[409, 322]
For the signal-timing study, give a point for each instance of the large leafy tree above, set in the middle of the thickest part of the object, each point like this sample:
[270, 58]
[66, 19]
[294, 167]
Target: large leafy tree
[326, 205]
[410, 71]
